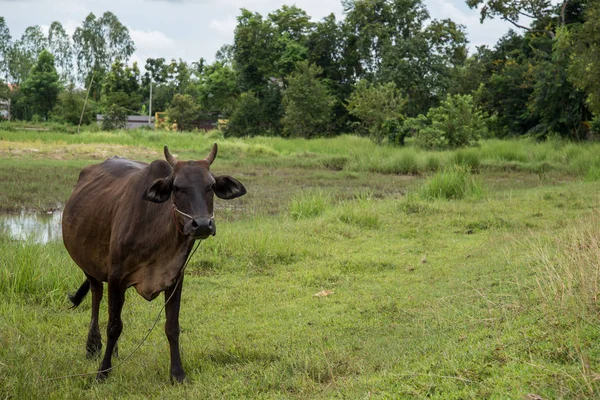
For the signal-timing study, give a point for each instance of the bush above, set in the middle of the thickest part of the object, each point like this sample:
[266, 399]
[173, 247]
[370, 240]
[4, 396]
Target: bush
[114, 118]
[376, 106]
[245, 119]
[70, 106]
[455, 123]
[183, 111]
[595, 126]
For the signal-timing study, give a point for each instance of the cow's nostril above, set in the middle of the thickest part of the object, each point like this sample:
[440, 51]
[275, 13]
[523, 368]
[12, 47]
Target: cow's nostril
[195, 224]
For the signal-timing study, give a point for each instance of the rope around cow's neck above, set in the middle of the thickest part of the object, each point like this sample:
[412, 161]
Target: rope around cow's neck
[149, 330]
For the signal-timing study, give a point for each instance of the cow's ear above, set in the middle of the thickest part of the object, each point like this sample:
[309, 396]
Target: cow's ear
[228, 188]
[159, 191]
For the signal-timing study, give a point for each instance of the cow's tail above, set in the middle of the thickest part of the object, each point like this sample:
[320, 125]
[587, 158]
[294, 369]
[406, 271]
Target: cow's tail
[80, 294]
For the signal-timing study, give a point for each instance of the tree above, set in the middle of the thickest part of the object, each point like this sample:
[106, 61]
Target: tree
[253, 51]
[291, 25]
[183, 111]
[5, 45]
[395, 45]
[98, 42]
[23, 54]
[218, 88]
[507, 92]
[514, 10]
[375, 105]
[584, 41]
[42, 86]
[4, 90]
[308, 105]
[559, 105]
[120, 89]
[477, 69]
[59, 44]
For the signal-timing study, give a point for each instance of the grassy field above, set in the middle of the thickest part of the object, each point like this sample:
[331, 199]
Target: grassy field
[451, 275]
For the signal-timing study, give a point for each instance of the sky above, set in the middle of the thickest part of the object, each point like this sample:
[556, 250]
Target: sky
[191, 29]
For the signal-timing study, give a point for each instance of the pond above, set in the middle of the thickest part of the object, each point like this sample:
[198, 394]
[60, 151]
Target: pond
[36, 227]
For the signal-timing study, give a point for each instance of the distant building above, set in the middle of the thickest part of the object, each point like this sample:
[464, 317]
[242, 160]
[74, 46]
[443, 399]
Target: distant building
[5, 104]
[133, 121]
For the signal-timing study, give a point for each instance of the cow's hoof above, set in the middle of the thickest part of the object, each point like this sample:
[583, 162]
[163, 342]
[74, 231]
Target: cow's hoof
[178, 377]
[102, 373]
[93, 351]
[101, 377]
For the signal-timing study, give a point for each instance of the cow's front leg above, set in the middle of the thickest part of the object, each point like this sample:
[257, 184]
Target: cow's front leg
[116, 298]
[172, 329]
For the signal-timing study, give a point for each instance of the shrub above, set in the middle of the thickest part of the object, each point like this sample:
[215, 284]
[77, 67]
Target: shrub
[70, 105]
[376, 106]
[455, 123]
[245, 119]
[183, 111]
[114, 118]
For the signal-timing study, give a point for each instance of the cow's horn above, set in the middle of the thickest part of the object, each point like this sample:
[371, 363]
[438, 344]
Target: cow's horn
[172, 160]
[212, 155]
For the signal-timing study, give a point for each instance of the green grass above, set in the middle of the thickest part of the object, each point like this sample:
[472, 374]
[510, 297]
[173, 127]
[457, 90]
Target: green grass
[488, 294]
[454, 182]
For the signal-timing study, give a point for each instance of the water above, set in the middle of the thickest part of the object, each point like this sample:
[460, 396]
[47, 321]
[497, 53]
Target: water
[39, 228]
[44, 227]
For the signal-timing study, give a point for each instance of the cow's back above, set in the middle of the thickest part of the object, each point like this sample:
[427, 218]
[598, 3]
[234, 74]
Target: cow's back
[90, 211]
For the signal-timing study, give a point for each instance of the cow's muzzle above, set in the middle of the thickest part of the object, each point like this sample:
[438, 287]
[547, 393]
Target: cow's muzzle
[200, 228]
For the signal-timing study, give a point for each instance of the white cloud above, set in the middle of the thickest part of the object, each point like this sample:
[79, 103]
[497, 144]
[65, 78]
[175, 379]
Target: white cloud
[478, 34]
[224, 26]
[190, 29]
[150, 40]
[150, 44]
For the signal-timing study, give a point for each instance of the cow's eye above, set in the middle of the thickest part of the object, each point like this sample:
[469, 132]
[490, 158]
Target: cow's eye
[178, 189]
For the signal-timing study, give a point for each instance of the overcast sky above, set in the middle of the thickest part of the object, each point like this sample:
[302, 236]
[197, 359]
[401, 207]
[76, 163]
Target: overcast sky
[190, 29]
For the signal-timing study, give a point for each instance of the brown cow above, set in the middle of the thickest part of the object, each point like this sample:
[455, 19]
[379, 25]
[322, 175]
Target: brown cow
[120, 228]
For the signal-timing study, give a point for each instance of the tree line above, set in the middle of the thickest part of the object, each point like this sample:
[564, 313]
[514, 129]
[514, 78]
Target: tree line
[386, 70]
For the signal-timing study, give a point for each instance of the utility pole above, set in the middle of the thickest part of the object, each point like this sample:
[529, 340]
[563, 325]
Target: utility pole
[150, 104]
[85, 102]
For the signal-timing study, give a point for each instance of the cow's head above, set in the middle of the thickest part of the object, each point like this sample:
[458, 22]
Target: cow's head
[191, 187]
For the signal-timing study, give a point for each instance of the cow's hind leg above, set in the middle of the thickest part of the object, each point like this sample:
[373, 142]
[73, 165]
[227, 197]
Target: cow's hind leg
[172, 329]
[116, 298]
[94, 340]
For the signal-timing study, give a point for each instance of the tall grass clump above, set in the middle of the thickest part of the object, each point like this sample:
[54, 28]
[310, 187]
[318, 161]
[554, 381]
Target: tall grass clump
[359, 212]
[593, 174]
[454, 182]
[586, 163]
[506, 150]
[469, 158]
[568, 270]
[309, 205]
[34, 271]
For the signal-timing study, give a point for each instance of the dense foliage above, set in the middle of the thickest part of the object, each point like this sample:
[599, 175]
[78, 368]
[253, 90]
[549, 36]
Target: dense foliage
[382, 71]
